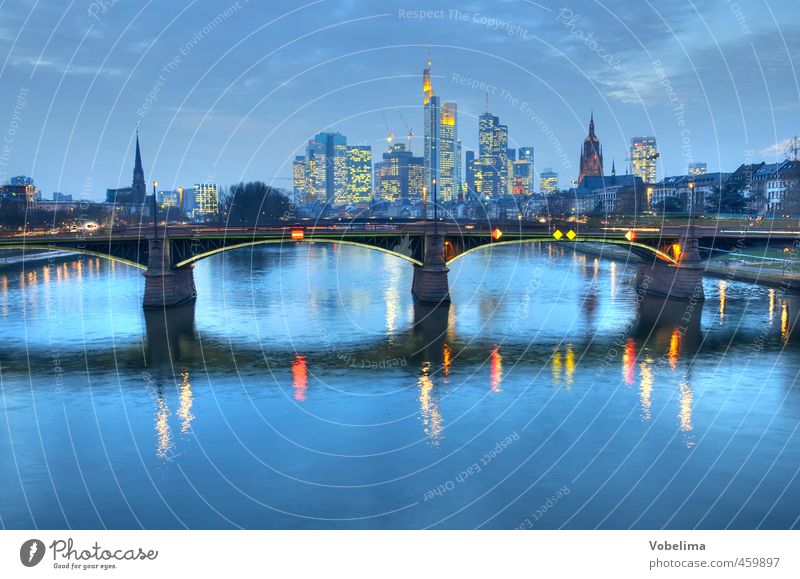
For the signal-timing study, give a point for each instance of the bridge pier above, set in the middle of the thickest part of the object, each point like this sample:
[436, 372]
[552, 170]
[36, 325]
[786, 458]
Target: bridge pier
[430, 285]
[679, 281]
[164, 285]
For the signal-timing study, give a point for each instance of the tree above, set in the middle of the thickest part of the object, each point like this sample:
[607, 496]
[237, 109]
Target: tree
[255, 203]
[791, 200]
[669, 205]
[725, 200]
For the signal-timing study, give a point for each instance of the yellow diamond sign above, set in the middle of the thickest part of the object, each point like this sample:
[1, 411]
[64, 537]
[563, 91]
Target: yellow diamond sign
[558, 234]
[571, 235]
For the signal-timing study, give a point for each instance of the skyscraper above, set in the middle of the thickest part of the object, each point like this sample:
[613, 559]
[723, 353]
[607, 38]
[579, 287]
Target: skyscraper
[491, 177]
[591, 154]
[206, 201]
[359, 174]
[441, 145]
[316, 187]
[326, 168]
[643, 154]
[400, 175]
[523, 172]
[299, 169]
[470, 167]
[548, 182]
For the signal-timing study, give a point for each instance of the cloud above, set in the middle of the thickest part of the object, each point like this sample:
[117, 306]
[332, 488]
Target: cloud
[58, 66]
[778, 149]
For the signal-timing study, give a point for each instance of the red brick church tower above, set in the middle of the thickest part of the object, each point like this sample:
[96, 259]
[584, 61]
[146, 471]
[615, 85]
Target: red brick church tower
[591, 155]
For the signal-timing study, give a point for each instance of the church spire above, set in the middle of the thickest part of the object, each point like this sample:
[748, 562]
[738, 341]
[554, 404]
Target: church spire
[613, 167]
[138, 187]
[591, 154]
[138, 165]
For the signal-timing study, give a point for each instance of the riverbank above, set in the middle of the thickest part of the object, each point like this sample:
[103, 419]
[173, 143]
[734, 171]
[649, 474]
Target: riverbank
[770, 273]
[17, 256]
[760, 274]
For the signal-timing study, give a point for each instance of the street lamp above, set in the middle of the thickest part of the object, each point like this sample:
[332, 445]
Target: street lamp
[180, 203]
[435, 209]
[155, 210]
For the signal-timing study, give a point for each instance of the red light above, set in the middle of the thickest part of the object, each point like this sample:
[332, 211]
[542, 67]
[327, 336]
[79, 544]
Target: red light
[631, 235]
[298, 235]
[497, 234]
[299, 377]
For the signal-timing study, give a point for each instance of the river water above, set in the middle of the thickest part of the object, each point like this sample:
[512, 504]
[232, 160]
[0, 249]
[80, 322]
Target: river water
[305, 389]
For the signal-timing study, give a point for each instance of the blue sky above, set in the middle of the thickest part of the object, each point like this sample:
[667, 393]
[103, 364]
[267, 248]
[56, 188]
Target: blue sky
[228, 90]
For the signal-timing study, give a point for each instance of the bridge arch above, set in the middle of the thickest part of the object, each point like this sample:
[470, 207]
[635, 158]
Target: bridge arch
[203, 255]
[639, 249]
[83, 251]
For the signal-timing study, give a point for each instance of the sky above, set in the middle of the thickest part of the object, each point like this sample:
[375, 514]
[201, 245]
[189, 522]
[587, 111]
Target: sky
[227, 90]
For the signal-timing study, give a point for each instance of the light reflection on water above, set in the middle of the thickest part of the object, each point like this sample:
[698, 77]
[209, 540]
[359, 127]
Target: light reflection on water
[306, 381]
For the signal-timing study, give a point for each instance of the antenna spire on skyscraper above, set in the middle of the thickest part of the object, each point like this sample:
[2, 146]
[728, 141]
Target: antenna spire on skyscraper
[427, 86]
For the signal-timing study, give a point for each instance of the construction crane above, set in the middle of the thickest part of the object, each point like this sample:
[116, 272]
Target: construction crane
[389, 132]
[409, 130]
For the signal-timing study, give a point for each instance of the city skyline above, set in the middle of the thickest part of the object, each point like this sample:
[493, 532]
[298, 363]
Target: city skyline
[253, 115]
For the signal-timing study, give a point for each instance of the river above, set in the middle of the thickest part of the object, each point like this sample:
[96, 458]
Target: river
[305, 389]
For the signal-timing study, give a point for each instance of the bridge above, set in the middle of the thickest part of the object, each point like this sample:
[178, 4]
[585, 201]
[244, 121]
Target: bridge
[670, 257]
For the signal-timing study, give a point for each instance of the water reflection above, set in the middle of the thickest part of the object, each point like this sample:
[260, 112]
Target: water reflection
[629, 362]
[674, 348]
[430, 331]
[391, 295]
[170, 335]
[569, 366]
[446, 361]
[299, 377]
[555, 364]
[185, 408]
[429, 406]
[771, 305]
[163, 432]
[646, 387]
[672, 326]
[685, 413]
[613, 278]
[496, 372]
[430, 335]
[673, 387]
[785, 332]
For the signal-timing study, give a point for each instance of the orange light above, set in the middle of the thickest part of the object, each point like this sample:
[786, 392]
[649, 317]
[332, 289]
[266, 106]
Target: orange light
[631, 235]
[298, 234]
[299, 377]
[497, 234]
[496, 372]
[676, 250]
